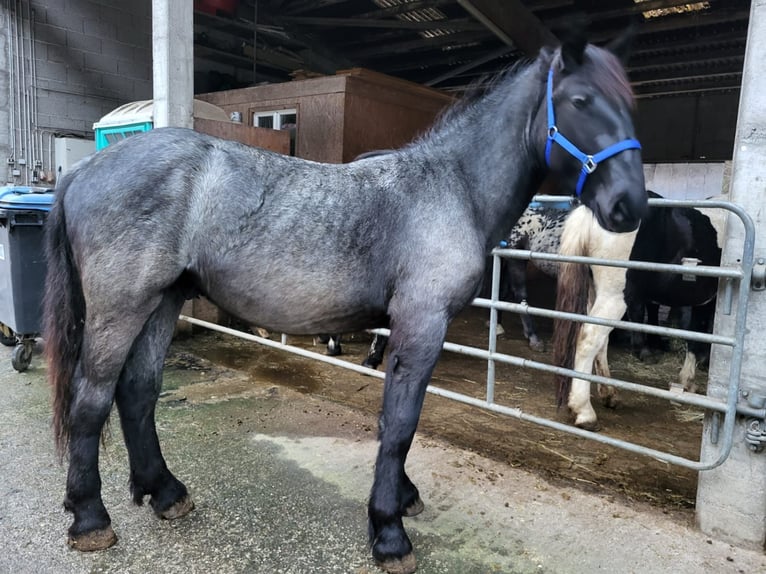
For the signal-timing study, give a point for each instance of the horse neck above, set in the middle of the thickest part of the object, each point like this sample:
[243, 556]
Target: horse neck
[491, 146]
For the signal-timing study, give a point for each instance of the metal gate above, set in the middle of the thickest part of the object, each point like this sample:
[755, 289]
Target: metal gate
[736, 278]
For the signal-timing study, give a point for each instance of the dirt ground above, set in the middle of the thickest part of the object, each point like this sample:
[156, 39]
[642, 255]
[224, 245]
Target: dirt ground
[557, 457]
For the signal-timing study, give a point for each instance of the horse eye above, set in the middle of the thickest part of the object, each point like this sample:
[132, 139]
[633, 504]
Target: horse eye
[580, 102]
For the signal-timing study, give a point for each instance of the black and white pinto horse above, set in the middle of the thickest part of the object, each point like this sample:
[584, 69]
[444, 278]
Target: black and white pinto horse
[666, 235]
[239, 226]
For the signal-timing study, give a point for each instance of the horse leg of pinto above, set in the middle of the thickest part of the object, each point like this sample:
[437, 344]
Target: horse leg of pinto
[609, 303]
[415, 347]
[375, 355]
[108, 335]
[607, 393]
[137, 392]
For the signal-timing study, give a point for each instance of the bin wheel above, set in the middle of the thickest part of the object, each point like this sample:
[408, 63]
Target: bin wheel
[22, 357]
[8, 340]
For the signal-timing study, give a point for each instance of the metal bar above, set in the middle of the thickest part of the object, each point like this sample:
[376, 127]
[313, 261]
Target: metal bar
[509, 411]
[627, 325]
[492, 346]
[702, 270]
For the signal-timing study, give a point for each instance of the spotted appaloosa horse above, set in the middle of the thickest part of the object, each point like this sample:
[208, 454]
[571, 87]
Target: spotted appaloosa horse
[171, 213]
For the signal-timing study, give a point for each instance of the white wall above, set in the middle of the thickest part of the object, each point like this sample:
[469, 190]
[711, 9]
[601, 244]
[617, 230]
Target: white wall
[687, 180]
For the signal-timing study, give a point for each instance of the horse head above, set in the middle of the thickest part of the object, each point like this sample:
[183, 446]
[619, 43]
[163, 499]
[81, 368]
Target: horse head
[585, 132]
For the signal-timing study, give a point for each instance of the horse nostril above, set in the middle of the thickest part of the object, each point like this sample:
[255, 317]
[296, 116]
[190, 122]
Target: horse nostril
[625, 216]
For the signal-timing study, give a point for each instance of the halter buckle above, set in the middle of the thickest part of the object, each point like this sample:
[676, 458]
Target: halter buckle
[589, 165]
[552, 131]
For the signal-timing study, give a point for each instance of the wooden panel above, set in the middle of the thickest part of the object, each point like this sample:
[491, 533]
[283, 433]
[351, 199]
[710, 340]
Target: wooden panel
[381, 114]
[320, 128]
[294, 89]
[273, 140]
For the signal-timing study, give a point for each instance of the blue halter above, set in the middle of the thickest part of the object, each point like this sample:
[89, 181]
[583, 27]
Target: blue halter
[589, 162]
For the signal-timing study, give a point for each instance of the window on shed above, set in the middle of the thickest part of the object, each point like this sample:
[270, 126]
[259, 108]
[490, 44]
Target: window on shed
[278, 120]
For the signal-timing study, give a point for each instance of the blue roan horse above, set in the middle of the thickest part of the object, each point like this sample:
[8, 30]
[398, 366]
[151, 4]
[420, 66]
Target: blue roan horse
[170, 213]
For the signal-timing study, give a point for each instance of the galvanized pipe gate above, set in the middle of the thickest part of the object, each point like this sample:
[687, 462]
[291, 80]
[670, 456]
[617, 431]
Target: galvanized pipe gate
[738, 278]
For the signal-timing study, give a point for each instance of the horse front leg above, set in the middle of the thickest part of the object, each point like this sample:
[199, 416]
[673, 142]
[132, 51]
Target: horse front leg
[517, 270]
[411, 361]
[592, 341]
[697, 352]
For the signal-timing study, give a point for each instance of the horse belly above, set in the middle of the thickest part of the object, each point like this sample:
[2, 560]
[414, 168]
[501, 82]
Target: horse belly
[288, 305]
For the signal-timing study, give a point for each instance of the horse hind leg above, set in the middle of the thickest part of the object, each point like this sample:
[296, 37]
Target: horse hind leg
[375, 355]
[137, 392]
[107, 339]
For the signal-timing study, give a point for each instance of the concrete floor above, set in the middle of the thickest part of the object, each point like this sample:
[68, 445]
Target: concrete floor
[280, 480]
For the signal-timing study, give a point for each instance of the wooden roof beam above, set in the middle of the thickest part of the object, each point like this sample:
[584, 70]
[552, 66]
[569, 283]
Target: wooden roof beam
[512, 22]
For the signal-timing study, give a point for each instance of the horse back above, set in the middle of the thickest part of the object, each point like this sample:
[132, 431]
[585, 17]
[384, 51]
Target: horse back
[285, 243]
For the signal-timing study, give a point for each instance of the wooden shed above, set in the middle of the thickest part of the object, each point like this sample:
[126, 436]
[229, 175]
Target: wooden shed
[335, 118]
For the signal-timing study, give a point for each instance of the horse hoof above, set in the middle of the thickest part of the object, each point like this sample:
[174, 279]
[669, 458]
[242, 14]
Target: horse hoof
[179, 509]
[93, 541]
[404, 565]
[415, 508]
[370, 364]
[537, 345]
[588, 425]
[611, 402]
[334, 351]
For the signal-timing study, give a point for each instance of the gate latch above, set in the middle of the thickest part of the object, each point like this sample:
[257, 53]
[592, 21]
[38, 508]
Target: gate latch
[758, 278]
[689, 262]
[755, 434]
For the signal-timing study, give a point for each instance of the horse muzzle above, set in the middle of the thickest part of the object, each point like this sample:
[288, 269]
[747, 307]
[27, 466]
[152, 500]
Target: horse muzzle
[624, 213]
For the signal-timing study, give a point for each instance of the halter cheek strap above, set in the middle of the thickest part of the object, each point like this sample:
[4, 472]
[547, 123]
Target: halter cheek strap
[589, 162]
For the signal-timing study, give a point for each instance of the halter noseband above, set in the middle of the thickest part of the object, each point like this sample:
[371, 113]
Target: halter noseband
[589, 162]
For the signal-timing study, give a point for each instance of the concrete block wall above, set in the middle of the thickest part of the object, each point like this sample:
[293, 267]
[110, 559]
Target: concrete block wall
[91, 56]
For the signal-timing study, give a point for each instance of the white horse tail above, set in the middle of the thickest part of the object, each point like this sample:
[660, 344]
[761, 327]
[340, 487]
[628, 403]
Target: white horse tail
[574, 285]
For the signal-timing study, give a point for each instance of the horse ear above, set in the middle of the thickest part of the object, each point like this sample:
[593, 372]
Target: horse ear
[573, 43]
[623, 43]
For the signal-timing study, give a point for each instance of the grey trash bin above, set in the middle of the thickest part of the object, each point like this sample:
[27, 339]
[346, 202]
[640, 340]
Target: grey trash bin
[23, 211]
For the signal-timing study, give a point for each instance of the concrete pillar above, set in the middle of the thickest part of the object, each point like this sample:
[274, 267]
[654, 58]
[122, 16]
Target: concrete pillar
[731, 499]
[173, 62]
[173, 77]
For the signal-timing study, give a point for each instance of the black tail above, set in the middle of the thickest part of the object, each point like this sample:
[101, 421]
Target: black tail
[64, 315]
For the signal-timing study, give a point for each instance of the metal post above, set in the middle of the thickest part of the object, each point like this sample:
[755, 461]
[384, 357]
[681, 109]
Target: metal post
[173, 62]
[731, 499]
